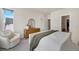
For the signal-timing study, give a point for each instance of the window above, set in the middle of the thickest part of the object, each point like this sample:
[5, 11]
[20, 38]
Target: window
[8, 19]
[8, 13]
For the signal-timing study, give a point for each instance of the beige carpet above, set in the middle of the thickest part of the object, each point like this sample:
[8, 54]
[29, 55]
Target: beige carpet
[22, 46]
[69, 46]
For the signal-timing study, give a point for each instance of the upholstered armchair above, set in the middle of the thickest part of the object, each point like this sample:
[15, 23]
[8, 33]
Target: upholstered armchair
[9, 39]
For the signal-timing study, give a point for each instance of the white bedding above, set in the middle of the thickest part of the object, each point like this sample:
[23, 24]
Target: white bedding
[52, 42]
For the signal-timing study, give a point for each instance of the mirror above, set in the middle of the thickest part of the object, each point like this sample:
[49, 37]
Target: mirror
[31, 22]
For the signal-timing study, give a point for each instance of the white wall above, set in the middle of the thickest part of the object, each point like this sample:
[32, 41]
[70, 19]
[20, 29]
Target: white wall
[75, 25]
[1, 20]
[56, 18]
[21, 17]
[74, 22]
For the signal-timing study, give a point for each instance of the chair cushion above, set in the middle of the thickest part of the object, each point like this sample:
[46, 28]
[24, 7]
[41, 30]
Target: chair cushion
[8, 34]
[11, 35]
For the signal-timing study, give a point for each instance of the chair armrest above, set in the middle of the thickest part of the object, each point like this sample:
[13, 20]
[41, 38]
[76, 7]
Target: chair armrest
[3, 39]
[4, 42]
[17, 36]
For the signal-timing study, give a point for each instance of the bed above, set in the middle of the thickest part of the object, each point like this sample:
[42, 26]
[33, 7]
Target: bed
[51, 42]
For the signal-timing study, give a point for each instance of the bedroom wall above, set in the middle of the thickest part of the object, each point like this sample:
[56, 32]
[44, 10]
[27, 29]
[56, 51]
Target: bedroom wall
[1, 20]
[56, 18]
[74, 22]
[21, 17]
[75, 25]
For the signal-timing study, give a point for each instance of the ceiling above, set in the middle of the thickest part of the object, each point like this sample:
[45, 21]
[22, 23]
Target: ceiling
[42, 10]
[46, 10]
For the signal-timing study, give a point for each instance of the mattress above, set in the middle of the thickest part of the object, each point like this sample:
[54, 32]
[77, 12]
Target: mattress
[52, 42]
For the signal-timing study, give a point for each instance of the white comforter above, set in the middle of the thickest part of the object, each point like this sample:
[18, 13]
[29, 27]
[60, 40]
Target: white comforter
[52, 42]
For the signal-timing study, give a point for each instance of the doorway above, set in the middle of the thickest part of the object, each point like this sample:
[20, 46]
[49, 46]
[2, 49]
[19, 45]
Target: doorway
[49, 24]
[65, 21]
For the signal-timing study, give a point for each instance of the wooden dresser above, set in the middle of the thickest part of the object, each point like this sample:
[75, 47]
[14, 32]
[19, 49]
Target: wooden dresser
[29, 31]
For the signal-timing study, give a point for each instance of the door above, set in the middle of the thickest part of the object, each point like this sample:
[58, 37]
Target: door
[65, 23]
[48, 24]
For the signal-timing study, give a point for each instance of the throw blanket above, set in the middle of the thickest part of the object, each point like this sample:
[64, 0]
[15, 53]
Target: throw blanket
[36, 39]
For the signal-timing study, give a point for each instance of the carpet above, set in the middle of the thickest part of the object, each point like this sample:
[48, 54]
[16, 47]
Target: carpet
[22, 46]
